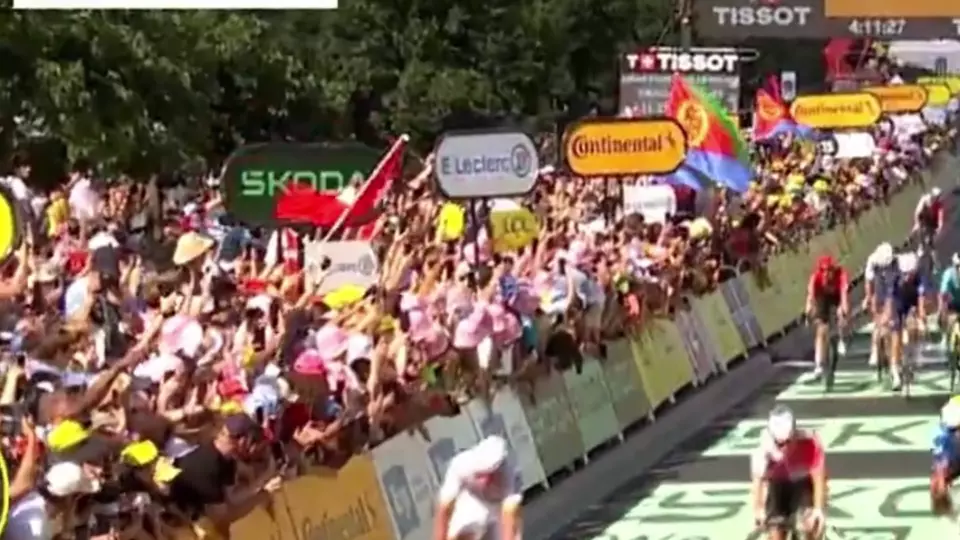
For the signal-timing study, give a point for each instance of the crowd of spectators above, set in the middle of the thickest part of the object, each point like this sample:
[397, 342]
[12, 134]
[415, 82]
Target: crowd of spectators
[165, 367]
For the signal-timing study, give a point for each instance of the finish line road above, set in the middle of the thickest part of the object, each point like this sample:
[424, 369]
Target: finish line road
[877, 454]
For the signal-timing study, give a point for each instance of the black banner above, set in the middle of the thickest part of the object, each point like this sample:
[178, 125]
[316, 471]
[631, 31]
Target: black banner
[645, 76]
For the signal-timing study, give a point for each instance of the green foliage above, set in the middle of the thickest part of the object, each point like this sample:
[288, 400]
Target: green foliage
[146, 92]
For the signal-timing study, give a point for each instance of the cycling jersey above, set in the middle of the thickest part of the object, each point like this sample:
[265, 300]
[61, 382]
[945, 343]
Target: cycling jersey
[911, 289]
[929, 212]
[950, 286]
[829, 284]
[946, 450]
[885, 280]
[478, 502]
[800, 457]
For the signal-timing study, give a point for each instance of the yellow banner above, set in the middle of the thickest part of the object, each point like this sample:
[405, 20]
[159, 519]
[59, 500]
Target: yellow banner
[952, 82]
[900, 98]
[938, 95]
[661, 358]
[346, 504]
[837, 110]
[511, 230]
[612, 147]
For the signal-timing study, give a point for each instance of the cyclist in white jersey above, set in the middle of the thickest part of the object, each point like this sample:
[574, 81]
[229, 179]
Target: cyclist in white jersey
[481, 496]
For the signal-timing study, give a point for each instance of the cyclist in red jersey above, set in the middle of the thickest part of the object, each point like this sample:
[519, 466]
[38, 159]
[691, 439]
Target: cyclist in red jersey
[789, 479]
[826, 295]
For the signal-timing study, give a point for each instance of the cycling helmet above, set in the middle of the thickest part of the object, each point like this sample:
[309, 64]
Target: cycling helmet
[490, 453]
[907, 262]
[781, 423]
[883, 256]
[950, 413]
[935, 192]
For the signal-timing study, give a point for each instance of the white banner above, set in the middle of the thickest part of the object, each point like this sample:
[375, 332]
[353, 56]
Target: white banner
[351, 263]
[934, 116]
[407, 485]
[854, 145]
[448, 437]
[654, 203]
[908, 124]
[505, 418]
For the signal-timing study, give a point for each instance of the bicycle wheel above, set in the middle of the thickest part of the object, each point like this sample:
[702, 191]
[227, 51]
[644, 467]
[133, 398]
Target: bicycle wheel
[832, 361]
[953, 356]
[881, 359]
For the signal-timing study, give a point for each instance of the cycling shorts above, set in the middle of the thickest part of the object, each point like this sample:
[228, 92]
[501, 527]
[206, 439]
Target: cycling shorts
[786, 499]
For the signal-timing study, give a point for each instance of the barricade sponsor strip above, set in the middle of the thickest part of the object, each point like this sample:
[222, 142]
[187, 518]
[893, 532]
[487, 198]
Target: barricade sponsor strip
[554, 427]
[507, 418]
[727, 328]
[659, 355]
[627, 395]
[591, 405]
[388, 494]
[408, 486]
[448, 436]
[701, 358]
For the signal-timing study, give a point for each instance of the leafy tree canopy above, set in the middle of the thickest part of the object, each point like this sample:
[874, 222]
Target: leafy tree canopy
[144, 92]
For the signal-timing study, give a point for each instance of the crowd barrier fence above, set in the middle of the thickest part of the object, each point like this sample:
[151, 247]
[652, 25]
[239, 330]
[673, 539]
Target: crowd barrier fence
[388, 493]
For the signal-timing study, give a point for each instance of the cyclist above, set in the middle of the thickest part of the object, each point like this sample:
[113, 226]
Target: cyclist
[910, 305]
[826, 296]
[928, 216]
[883, 284]
[481, 495]
[949, 300]
[946, 457]
[789, 478]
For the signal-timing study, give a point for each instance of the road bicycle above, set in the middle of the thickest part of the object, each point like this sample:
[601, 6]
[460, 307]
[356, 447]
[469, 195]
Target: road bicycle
[953, 352]
[883, 364]
[833, 354]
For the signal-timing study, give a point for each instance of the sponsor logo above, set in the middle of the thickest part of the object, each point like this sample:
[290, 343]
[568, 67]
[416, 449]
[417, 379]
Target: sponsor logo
[836, 110]
[620, 147]
[255, 176]
[900, 98]
[670, 61]
[486, 164]
[761, 15]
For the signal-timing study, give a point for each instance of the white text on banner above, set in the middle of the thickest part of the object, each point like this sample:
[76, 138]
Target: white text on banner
[448, 437]
[505, 417]
[407, 484]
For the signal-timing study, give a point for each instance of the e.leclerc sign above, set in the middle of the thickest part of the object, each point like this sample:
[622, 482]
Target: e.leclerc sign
[484, 164]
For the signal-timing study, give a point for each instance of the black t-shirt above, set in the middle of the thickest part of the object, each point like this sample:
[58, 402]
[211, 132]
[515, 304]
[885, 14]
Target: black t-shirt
[204, 478]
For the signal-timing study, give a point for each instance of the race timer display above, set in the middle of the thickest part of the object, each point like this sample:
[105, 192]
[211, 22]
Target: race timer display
[824, 19]
[892, 8]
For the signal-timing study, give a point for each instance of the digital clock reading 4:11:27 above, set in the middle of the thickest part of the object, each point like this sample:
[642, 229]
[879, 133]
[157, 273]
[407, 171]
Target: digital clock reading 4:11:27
[887, 27]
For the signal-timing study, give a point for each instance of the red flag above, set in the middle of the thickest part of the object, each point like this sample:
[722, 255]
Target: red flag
[772, 87]
[302, 204]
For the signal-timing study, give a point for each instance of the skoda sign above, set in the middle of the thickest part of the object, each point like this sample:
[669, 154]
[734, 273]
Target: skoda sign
[480, 164]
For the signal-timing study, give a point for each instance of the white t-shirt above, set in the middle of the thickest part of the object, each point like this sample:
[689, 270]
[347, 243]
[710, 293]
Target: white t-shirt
[29, 520]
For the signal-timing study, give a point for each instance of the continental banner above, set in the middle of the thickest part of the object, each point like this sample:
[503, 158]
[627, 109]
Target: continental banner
[389, 492]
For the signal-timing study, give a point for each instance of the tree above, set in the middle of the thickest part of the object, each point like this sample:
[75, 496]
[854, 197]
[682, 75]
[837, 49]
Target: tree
[144, 92]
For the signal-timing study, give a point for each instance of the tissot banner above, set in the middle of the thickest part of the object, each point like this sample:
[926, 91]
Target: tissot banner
[645, 77]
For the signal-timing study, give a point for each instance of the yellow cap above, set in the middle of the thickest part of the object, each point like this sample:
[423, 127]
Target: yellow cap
[139, 453]
[65, 435]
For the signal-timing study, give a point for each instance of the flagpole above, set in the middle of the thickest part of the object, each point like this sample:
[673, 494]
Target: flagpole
[346, 213]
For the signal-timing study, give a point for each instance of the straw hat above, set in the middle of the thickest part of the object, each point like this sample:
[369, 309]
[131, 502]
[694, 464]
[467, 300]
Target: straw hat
[190, 247]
